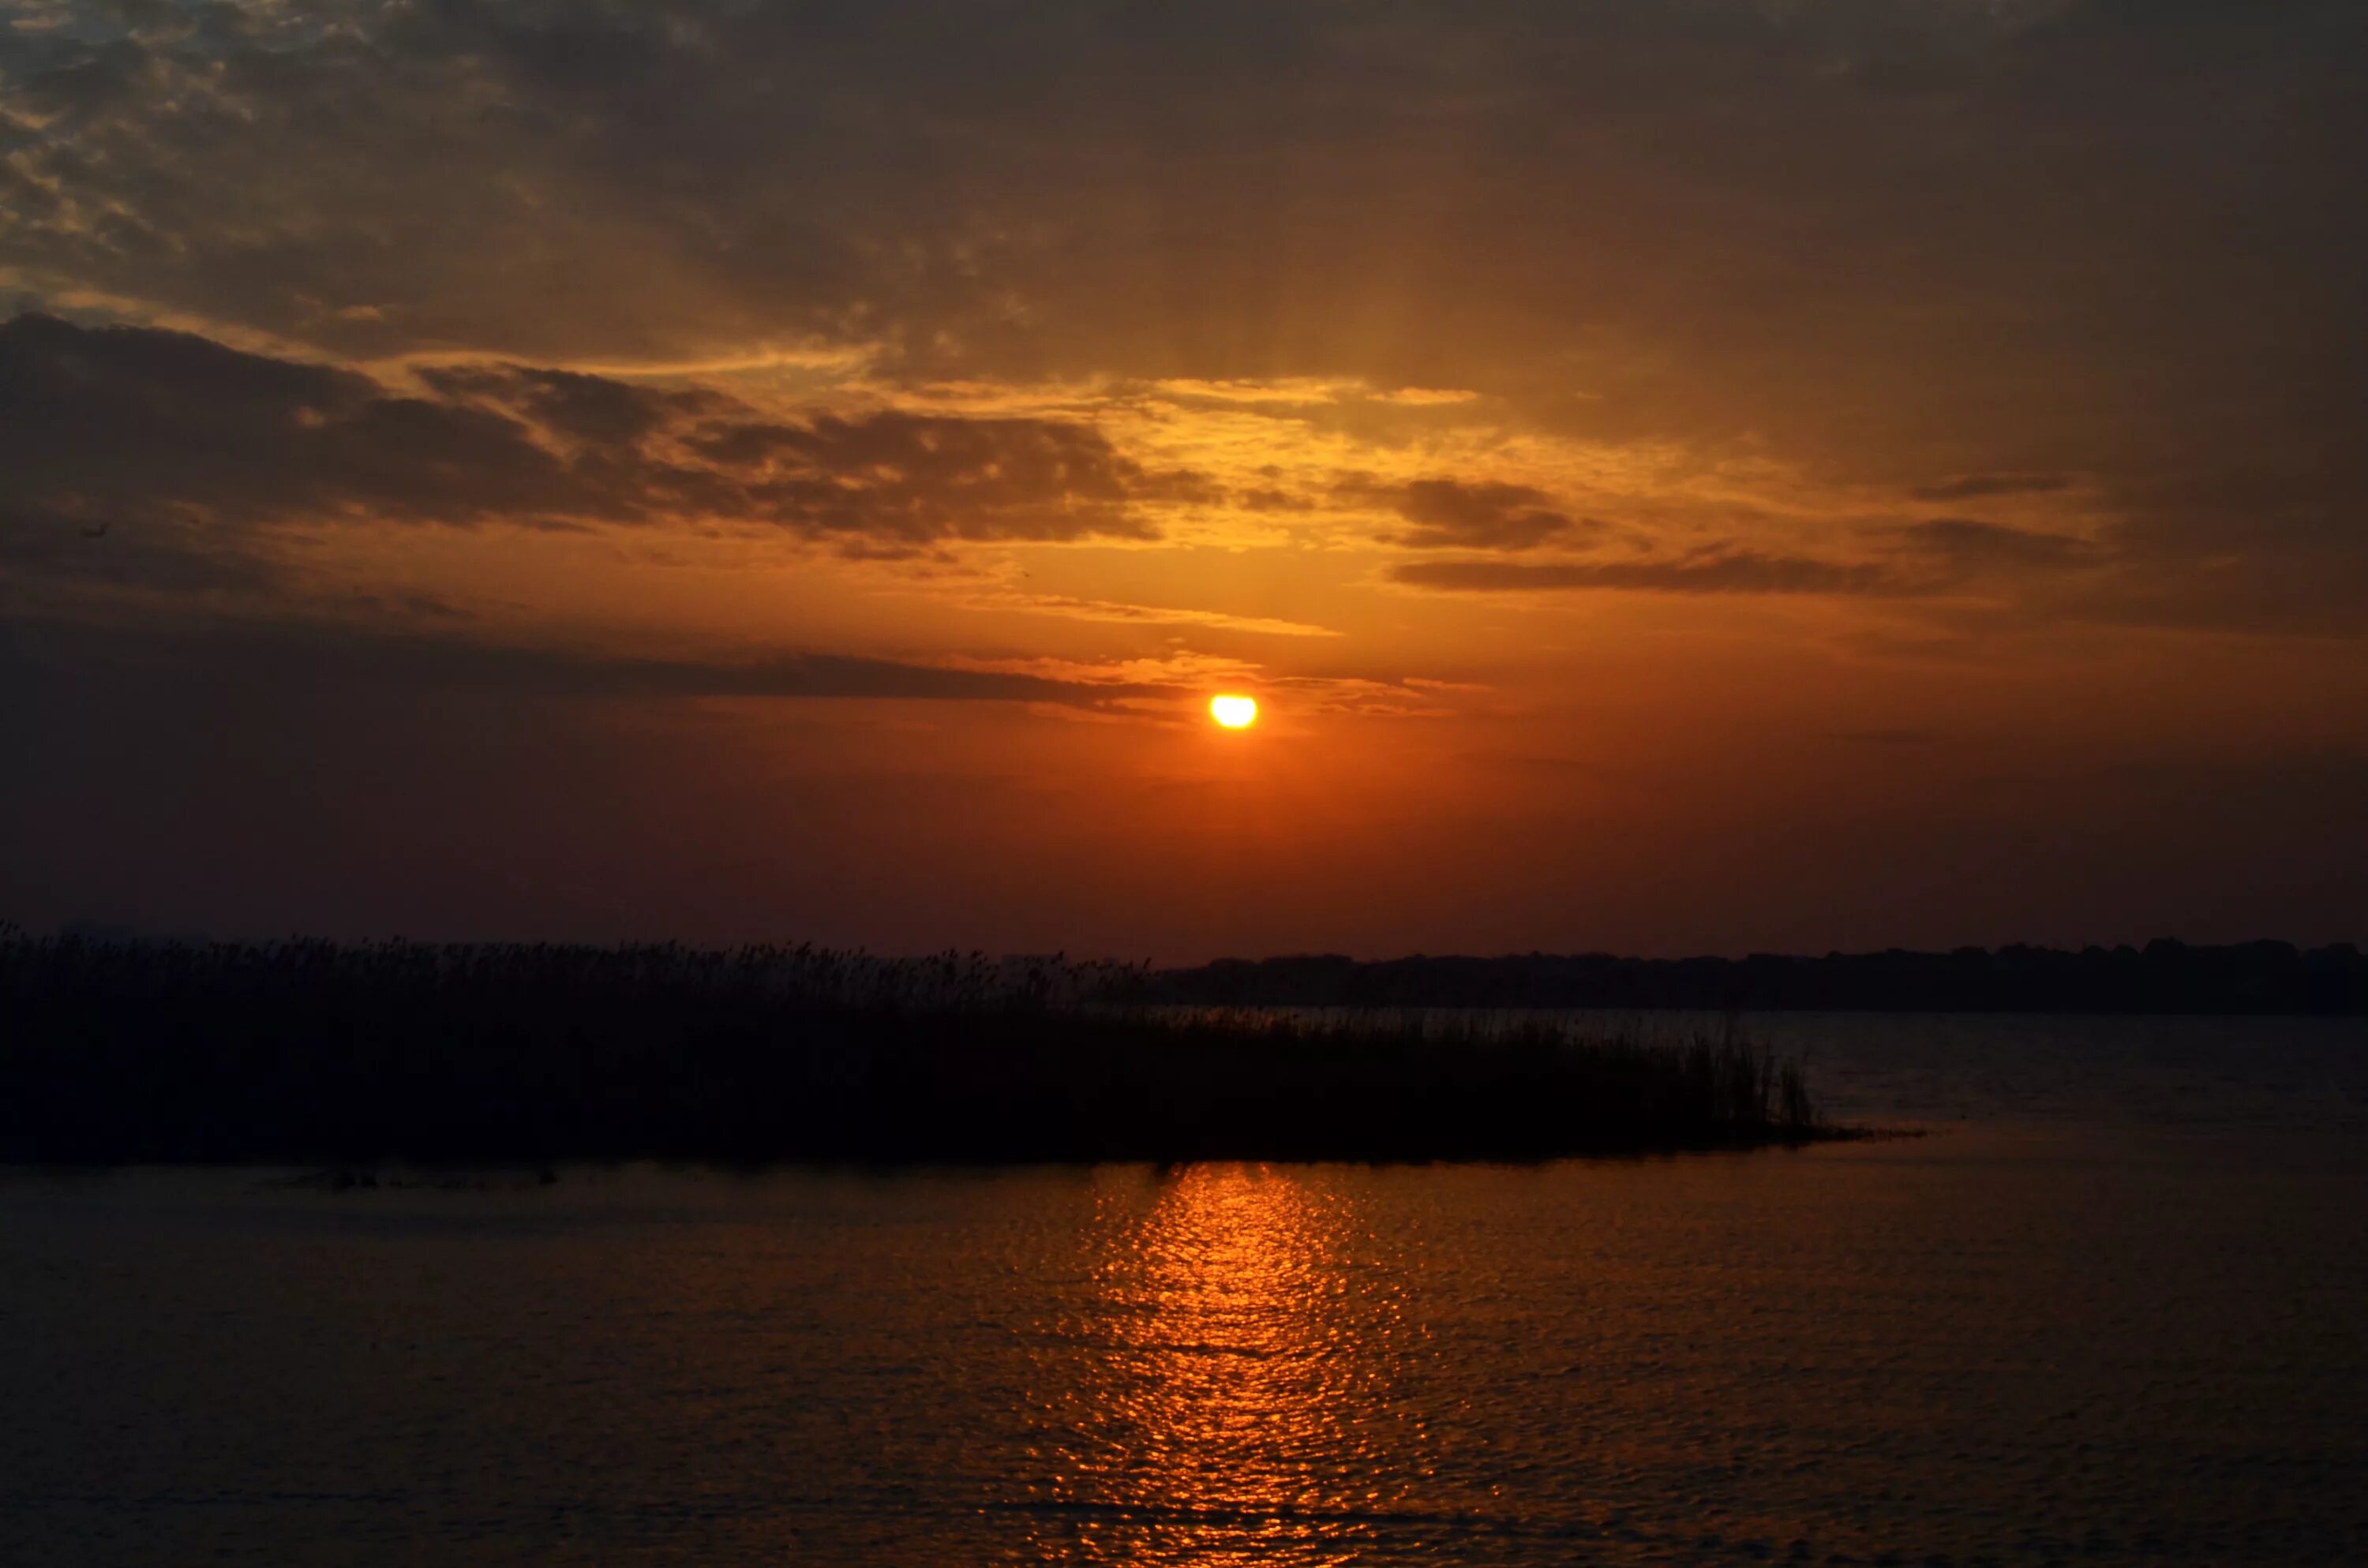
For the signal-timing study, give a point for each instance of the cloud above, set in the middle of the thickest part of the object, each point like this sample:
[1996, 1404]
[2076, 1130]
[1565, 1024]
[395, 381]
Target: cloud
[1366, 698]
[1266, 498]
[1931, 557]
[1071, 608]
[1978, 487]
[186, 443]
[1967, 545]
[256, 654]
[569, 404]
[1454, 515]
[922, 477]
[1717, 572]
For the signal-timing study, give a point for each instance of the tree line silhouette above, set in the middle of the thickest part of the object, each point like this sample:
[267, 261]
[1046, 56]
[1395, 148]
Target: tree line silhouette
[2162, 977]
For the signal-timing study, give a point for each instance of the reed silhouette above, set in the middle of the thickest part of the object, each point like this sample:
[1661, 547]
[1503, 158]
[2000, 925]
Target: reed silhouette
[304, 1050]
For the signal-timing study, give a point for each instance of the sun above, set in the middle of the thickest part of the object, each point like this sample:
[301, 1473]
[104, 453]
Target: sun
[1234, 713]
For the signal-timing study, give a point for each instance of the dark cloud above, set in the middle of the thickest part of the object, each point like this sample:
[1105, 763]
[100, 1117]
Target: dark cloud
[1266, 499]
[920, 477]
[1453, 515]
[258, 656]
[2046, 578]
[1719, 572]
[174, 443]
[1968, 545]
[1927, 558]
[593, 409]
[1977, 486]
[132, 427]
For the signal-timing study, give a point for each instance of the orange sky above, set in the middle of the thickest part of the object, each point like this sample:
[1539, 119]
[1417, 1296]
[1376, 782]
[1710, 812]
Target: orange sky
[1675, 477]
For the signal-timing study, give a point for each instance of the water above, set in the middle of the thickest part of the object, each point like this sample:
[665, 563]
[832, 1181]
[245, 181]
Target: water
[2113, 1310]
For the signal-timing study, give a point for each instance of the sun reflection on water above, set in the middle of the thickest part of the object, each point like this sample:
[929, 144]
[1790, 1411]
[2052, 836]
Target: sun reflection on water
[1242, 1411]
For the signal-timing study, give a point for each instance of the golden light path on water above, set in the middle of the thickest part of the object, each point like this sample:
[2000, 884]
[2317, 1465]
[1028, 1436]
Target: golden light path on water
[1242, 1412]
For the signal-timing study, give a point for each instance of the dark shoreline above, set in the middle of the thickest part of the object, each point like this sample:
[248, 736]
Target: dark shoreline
[315, 1055]
[490, 1175]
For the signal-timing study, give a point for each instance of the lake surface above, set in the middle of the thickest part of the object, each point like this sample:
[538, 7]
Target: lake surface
[2114, 1309]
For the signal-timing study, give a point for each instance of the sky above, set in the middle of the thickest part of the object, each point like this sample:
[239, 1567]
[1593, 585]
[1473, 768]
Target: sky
[1678, 476]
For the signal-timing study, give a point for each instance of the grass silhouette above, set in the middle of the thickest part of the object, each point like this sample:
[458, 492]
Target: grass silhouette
[304, 1052]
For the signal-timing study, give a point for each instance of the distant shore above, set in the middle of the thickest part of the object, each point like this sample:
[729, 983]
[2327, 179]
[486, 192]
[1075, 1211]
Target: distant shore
[315, 1052]
[2164, 976]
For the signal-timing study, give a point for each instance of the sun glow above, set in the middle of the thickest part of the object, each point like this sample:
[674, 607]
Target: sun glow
[1233, 712]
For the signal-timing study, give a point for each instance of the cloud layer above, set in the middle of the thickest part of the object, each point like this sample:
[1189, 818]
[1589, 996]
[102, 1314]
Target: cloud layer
[1974, 252]
[154, 437]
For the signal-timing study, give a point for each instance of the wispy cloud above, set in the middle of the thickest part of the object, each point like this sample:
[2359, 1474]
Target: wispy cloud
[1113, 611]
[1980, 486]
[462, 657]
[1723, 571]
